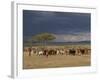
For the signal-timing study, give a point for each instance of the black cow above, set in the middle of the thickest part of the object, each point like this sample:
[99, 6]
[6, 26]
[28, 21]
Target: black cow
[72, 52]
[52, 52]
[82, 51]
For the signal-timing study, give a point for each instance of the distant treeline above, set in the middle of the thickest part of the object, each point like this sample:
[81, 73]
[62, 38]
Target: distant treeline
[56, 43]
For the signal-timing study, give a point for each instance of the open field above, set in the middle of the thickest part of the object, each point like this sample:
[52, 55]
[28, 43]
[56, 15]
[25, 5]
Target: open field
[53, 61]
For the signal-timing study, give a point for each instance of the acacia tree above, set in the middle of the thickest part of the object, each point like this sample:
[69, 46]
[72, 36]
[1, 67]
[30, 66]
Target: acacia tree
[44, 37]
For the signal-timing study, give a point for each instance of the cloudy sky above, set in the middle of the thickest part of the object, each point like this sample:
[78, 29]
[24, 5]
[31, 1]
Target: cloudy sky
[65, 26]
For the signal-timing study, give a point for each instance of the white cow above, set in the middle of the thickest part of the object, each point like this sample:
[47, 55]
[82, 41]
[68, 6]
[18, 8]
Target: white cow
[40, 52]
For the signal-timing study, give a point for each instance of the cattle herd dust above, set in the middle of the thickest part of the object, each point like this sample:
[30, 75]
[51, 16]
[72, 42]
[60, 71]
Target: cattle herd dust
[56, 56]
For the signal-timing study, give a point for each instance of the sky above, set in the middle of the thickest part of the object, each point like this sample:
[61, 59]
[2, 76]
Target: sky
[65, 26]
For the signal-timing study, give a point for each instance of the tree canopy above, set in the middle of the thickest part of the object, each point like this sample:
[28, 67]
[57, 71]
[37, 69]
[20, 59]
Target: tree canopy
[44, 37]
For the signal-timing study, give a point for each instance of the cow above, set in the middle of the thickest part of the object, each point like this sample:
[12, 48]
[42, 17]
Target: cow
[45, 52]
[84, 51]
[78, 52]
[89, 51]
[72, 52]
[66, 51]
[33, 50]
[62, 51]
[40, 52]
[29, 51]
[52, 52]
[57, 51]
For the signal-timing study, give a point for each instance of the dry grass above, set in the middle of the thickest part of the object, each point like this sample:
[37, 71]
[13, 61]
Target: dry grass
[53, 61]
[34, 61]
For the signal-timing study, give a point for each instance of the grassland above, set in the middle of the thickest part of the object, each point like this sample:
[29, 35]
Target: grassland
[54, 61]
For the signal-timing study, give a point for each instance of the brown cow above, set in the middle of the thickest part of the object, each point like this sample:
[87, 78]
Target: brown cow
[29, 51]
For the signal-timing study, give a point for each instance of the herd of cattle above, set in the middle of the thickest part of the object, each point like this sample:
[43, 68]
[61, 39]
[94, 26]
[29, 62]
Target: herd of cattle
[57, 51]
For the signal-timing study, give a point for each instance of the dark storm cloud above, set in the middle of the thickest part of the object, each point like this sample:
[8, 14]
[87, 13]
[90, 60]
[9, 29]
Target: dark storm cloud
[64, 23]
